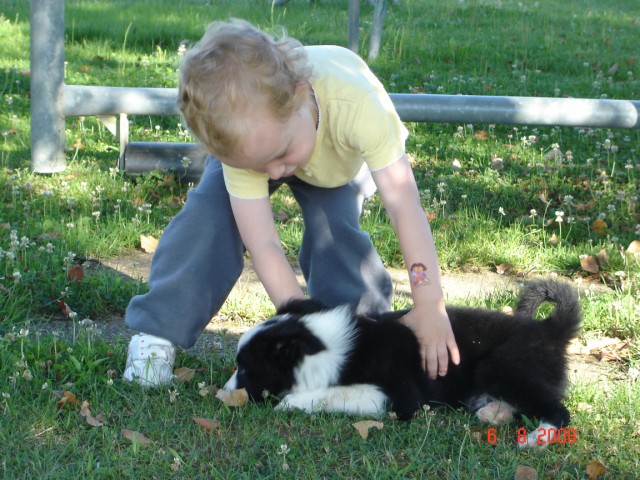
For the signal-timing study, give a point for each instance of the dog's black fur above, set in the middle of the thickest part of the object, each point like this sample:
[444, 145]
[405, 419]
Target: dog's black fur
[513, 358]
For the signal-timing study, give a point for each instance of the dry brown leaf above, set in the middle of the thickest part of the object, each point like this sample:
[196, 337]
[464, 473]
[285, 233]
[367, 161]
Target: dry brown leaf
[595, 469]
[75, 273]
[614, 353]
[207, 423]
[525, 473]
[208, 389]
[233, 398]
[148, 243]
[599, 227]
[184, 374]
[503, 268]
[67, 398]
[135, 437]
[634, 247]
[554, 240]
[364, 426]
[603, 258]
[64, 308]
[495, 413]
[481, 135]
[584, 407]
[589, 263]
[85, 411]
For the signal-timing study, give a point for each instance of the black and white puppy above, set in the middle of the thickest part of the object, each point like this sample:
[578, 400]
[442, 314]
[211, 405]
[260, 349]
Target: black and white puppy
[330, 359]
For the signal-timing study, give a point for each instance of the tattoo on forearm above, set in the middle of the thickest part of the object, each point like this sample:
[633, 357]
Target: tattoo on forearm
[418, 275]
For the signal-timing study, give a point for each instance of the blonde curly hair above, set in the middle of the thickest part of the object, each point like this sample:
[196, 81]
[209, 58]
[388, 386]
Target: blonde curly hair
[232, 70]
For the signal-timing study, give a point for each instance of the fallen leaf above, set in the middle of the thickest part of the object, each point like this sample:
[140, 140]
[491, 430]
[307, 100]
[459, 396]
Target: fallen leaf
[599, 227]
[208, 424]
[148, 243]
[233, 398]
[584, 407]
[554, 240]
[208, 390]
[525, 473]
[503, 268]
[64, 308]
[614, 353]
[614, 69]
[481, 135]
[603, 258]
[364, 426]
[67, 398]
[75, 273]
[634, 247]
[595, 469]
[135, 437]
[184, 374]
[589, 263]
[495, 413]
[85, 411]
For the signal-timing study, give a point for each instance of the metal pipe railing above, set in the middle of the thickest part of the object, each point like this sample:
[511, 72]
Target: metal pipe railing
[572, 112]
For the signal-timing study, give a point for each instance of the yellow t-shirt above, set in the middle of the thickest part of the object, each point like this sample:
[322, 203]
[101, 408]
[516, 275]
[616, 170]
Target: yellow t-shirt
[358, 123]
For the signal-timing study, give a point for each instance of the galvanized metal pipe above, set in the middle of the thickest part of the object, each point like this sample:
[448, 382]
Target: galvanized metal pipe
[571, 112]
[47, 83]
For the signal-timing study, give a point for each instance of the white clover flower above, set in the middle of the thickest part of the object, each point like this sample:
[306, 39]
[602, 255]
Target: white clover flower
[501, 211]
[16, 277]
[284, 449]
[173, 395]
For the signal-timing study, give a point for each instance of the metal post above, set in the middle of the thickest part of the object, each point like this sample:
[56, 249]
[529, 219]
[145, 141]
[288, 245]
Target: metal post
[47, 84]
[377, 26]
[354, 25]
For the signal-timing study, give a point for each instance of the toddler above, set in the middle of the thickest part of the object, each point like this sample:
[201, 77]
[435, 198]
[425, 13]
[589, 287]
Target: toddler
[272, 112]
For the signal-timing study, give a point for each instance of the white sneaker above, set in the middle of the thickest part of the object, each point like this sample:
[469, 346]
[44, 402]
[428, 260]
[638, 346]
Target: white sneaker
[150, 361]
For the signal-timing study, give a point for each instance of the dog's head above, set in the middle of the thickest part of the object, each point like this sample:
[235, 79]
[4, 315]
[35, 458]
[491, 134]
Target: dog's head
[289, 349]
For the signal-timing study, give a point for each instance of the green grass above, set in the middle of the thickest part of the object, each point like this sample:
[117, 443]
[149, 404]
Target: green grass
[492, 193]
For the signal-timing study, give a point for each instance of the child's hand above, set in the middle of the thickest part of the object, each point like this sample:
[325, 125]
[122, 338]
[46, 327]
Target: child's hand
[433, 330]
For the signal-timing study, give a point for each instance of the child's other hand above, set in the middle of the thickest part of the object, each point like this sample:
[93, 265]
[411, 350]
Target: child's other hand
[433, 330]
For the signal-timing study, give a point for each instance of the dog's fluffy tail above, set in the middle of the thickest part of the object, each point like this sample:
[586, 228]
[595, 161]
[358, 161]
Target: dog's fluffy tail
[565, 319]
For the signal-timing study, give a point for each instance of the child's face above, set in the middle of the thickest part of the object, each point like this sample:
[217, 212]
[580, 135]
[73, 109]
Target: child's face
[274, 147]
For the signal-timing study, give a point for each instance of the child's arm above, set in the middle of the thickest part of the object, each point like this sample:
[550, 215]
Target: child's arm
[428, 318]
[258, 231]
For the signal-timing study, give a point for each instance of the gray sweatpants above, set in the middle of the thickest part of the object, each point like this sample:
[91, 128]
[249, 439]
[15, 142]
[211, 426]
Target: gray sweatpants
[200, 257]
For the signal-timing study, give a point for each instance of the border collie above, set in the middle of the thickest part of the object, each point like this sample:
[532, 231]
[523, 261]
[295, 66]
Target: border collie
[329, 359]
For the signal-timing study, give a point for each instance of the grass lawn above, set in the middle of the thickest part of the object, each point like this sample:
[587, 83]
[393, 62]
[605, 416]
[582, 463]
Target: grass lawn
[534, 200]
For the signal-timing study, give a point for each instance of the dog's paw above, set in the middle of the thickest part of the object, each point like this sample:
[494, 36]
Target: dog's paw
[540, 438]
[495, 413]
[305, 401]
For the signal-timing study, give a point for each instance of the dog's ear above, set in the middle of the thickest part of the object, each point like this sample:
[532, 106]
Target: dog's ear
[293, 347]
[302, 307]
